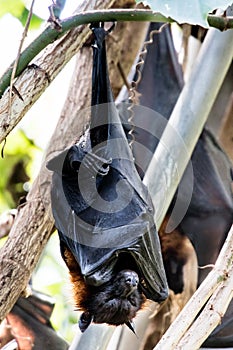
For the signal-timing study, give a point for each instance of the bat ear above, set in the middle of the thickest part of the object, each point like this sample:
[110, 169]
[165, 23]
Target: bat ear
[84, 321]
[131, 326]
[56, 163]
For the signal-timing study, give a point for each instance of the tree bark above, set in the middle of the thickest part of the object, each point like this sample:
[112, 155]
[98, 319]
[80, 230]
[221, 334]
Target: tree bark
[34, 222]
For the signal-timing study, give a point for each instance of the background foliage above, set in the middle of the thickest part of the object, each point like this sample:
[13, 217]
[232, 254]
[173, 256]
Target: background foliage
[192, 12]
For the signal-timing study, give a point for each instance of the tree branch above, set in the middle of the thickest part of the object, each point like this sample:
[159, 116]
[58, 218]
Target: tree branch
[51, 34]
[33, 84]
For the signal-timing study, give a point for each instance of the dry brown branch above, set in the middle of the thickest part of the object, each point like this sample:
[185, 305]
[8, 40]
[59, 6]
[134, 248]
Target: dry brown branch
[34, 222]
[217, 289]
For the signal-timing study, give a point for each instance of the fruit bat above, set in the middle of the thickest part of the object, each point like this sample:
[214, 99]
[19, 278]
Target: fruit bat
[104, 214]
[210, 213]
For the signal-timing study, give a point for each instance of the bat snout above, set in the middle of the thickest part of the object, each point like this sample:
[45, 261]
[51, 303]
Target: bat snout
[132, 281]
[131, 278]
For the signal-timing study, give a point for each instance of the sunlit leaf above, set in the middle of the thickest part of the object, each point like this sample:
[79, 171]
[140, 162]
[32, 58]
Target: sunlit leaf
[14, 7]
[17, 9]
[185, 11]
[35, 21]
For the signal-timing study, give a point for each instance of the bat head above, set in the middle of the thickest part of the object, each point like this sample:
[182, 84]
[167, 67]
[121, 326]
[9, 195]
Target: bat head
[115, 302]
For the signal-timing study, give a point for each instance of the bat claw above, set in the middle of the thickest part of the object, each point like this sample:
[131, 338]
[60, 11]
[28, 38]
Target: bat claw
[84, 321]
[131, 326]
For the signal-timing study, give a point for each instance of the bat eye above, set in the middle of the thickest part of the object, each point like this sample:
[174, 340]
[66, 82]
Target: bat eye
[132, 281]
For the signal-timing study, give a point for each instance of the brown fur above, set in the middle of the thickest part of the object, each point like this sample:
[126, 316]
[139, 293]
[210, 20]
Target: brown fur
[176, 251]
[174, 243]
[81, 291]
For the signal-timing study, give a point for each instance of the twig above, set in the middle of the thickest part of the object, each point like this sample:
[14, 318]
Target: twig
[123, 76]
[18, 55]
[220, 22]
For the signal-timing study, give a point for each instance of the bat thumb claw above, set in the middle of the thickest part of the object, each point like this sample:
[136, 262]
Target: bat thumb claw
[131, 326]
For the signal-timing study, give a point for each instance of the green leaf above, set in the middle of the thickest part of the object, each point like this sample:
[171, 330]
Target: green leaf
[35, 20]
[17, 9]
[186, 11]
[13, 7]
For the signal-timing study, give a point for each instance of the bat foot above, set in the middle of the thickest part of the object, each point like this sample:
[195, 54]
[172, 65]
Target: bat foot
[84, 321]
